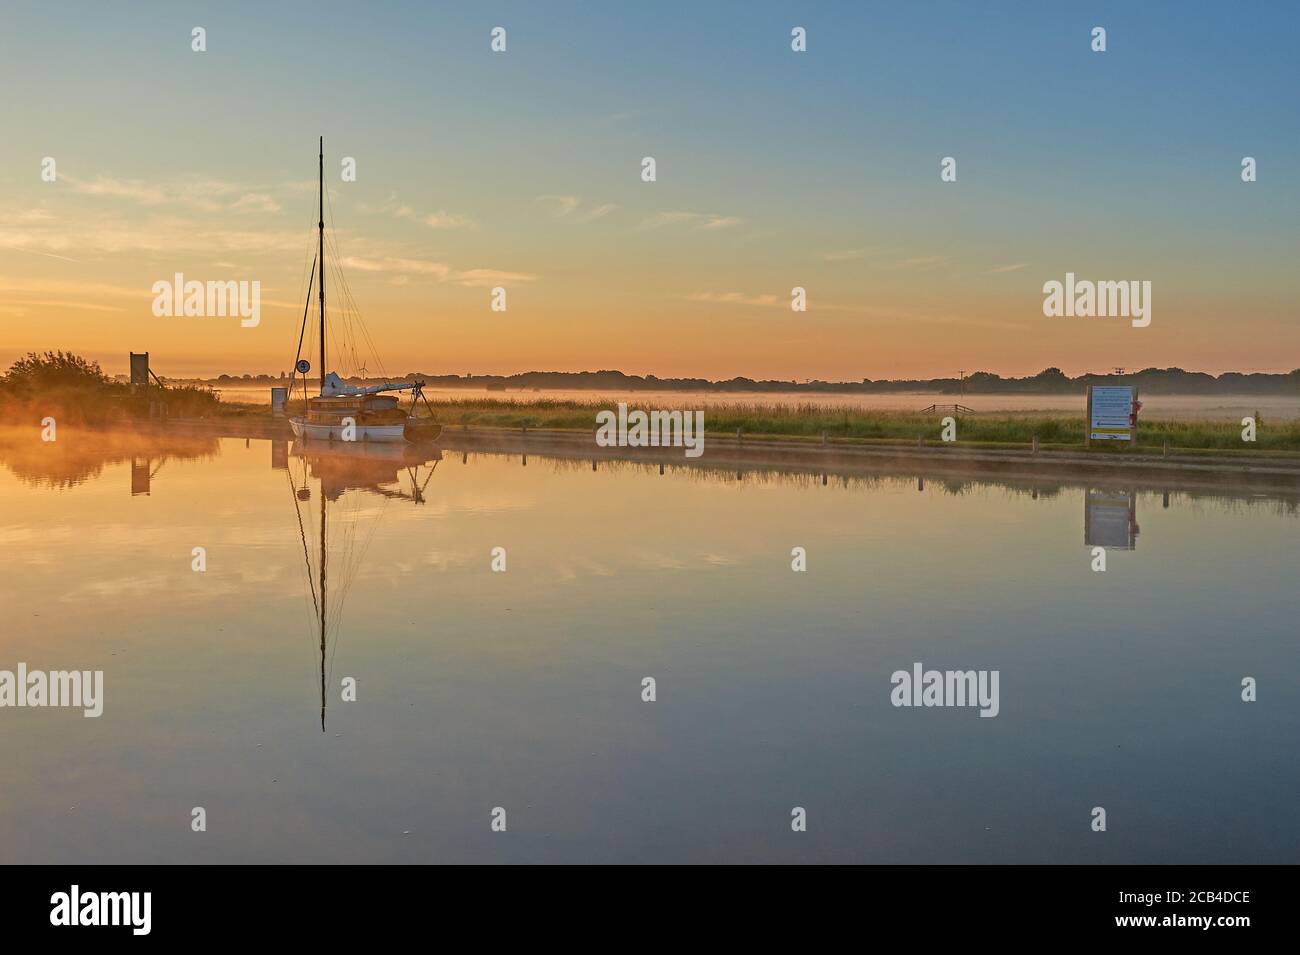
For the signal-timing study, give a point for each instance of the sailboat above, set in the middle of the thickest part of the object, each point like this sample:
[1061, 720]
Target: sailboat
[344, 412]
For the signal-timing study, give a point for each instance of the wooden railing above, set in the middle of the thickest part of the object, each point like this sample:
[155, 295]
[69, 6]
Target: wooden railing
[947, 409]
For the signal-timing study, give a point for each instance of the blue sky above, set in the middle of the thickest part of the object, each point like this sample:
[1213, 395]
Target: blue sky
[1125, 164]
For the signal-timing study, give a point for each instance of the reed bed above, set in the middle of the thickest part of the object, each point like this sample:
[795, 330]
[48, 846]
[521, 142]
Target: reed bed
[810, 421]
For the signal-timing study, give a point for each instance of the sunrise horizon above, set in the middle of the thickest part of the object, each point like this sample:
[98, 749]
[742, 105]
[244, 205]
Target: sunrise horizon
[893, 230]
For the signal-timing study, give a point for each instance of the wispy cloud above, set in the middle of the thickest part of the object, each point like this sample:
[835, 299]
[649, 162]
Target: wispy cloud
[852, 255]
[447, 220]
[1015, 267]
[256, 202]
[161, 234]
[572, 209]
[18, 246]
[65, 303]
[29, 286]
[133, 189]
[698, 220]
[438, 271]
[442, 219]
[720, 222]
[737, 298]
[560, 206]
[485, 278]
[20, 294]
[917, 262]
[29, 216]
[199, 193]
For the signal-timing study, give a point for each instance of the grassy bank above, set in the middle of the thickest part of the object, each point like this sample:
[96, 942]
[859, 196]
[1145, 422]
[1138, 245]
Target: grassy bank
[861, 425]
[74, 391]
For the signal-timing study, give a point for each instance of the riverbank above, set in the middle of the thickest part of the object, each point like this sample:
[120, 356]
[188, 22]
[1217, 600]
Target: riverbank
[1052, 431]
[1165, 407]
[1275, 471]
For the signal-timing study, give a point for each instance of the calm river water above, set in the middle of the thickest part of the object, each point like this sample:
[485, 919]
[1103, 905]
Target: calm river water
[480, 689]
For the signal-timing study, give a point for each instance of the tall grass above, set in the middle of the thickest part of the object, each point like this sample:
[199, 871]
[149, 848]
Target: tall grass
[810, 421]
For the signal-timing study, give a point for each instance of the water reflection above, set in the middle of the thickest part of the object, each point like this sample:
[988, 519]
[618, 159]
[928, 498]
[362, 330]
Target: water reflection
[1119, 689]
[1110, 519]
[76, 457]
[338, 468]
[404, 471]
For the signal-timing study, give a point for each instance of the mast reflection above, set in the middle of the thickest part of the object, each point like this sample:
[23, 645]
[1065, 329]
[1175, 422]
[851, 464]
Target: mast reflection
[346, 475]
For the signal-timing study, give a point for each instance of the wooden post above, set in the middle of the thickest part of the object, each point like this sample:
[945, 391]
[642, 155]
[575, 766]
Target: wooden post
[823, 439]
[1087, 420]
[1133, 432]
[739, 437]
[1035, 444]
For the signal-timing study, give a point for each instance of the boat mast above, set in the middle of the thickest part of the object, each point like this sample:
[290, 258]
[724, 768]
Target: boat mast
[320, 224]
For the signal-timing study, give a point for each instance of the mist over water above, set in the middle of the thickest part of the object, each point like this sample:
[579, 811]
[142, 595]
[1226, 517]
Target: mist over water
[522, 688]
[1229, 408]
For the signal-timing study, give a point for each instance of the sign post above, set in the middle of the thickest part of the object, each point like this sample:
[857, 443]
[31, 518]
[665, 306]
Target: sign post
[139, 370]
[1111, 414]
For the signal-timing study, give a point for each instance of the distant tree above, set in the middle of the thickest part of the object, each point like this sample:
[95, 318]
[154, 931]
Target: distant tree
[54, 370]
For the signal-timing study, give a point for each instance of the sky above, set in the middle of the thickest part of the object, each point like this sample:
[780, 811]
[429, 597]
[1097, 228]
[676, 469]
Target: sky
[775, 169]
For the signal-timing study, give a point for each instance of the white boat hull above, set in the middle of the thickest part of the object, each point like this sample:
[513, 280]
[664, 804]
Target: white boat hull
[387, 433]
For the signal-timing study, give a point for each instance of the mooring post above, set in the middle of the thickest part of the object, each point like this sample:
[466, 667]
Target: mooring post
[823, 439]
[739, 437]
[1035, 444]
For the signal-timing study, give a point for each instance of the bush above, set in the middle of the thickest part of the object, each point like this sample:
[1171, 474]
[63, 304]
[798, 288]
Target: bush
[53, 370]
[73, 390]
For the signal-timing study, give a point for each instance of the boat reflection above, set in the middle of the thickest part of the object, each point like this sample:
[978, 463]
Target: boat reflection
[335, 539]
